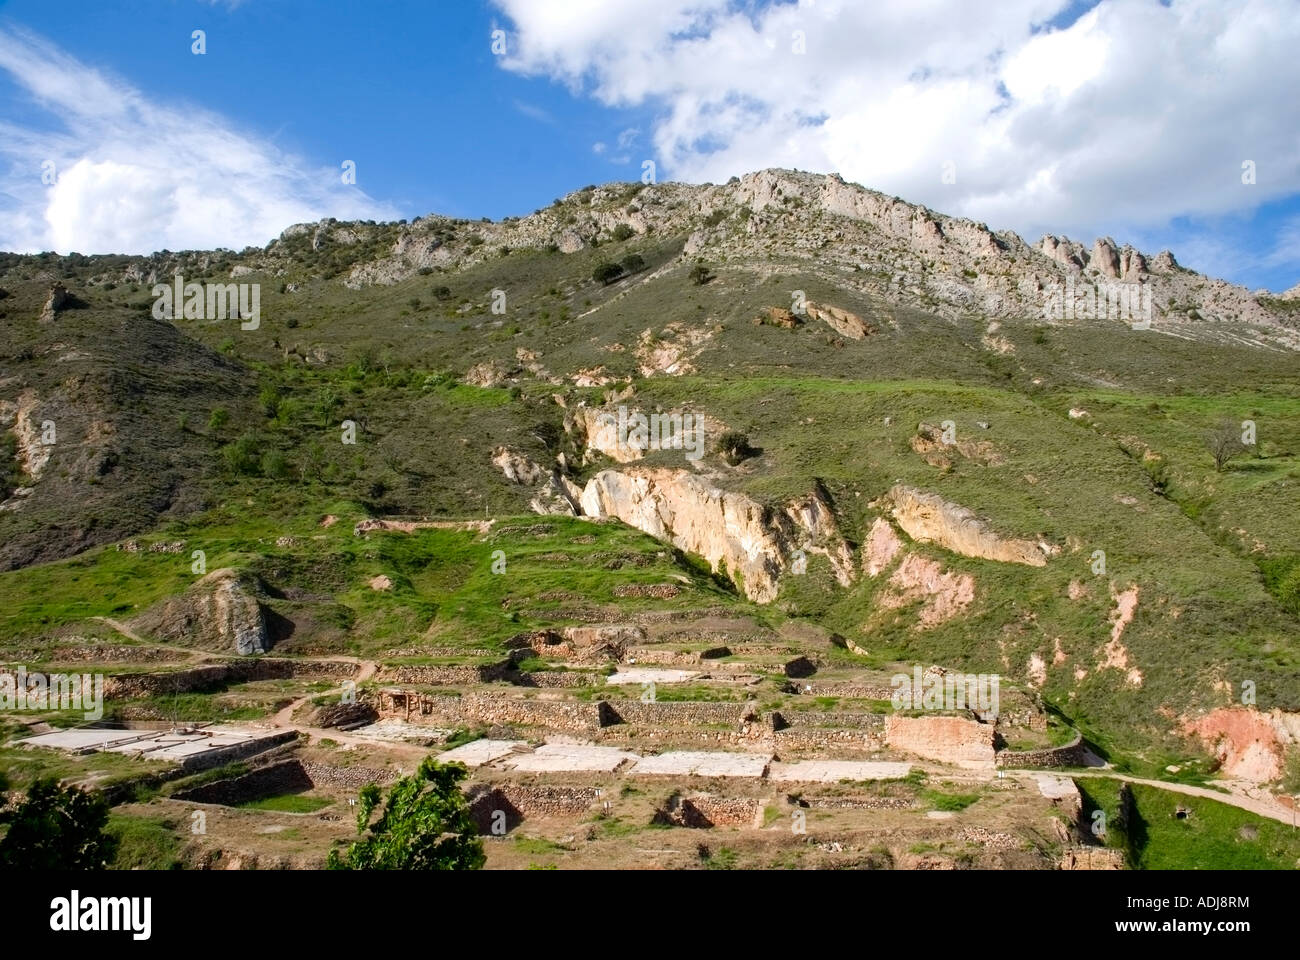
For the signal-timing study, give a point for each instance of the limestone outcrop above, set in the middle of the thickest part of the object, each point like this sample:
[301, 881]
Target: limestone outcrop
[841, 321]
[929, 518]
[516, 467]
[220, 612]
[812, 515]
[880, 548]
[730, 530]
[599, 429]
[736, 534]
[945, 594]
[58, 300]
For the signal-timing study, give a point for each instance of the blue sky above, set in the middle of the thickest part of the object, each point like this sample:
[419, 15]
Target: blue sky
[1128, 118]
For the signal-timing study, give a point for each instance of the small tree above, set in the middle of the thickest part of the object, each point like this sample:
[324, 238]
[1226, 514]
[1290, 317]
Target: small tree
[425, 825]
[700, 275]
[607, 273]
[1224, 443]
[734, 447]
[623, 232]
[633, 262]
[57, 828]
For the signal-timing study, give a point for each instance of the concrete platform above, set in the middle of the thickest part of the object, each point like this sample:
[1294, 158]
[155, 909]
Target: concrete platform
[151, 744]
[639, 675]
[703, 764]
[393, 730]
[478, 752]
[1055, 787]
[569, 758]
[833, 771]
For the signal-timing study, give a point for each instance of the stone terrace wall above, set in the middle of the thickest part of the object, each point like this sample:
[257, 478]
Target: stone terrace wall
[853, 803]
[434, 675]
[707, 810]
[237, 751]
[844, 688]
[351, 777]
[519, 801]
[851, 721]
[552, 679]
[473, 708]
[1070, 755]
[676, 713]
[828, 738]
[128, 686]
[692, 737]
[287, 776]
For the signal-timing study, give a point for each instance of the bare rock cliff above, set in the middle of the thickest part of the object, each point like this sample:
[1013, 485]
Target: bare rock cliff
[736, 534]
[929, 518]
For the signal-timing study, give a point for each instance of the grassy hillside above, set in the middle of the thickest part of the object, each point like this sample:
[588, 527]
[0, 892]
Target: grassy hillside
[232, 440]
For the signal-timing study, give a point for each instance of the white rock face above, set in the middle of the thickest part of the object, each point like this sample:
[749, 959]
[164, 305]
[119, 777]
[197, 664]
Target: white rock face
[734, 533]
[516, 467]
[929, 518]
[727, 529]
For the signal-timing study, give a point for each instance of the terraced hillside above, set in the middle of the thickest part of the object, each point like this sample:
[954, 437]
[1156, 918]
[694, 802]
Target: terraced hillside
[403, 475]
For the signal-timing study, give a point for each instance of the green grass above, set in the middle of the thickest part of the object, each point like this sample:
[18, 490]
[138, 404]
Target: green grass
[537, 845]
[1214, 836]
[953, 802]
[722, 859]
[21, 765]
[144, 843]
[289, 803]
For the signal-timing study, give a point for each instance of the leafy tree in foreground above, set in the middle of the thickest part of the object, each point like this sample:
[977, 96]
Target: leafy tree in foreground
[57, 828]
[425, 825]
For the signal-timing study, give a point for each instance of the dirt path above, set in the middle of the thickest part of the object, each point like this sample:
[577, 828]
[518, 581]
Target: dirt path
[1257, 805]
[367, 669]
[130, 634]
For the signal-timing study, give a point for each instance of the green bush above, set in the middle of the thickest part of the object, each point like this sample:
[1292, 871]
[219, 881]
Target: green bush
[734, 447]
[243, 456]
[607, 273]
[57, 828]
[424, 824]
[275, 465]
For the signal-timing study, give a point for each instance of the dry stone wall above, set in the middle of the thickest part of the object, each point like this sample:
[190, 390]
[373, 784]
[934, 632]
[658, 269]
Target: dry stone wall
[1073, 754]
[521, 801]
[287, 776]
[324, 774]
[481, 709]
[707, 810]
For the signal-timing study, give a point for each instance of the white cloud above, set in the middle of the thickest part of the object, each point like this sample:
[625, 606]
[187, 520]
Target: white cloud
[1136, 113]
[134, 176]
